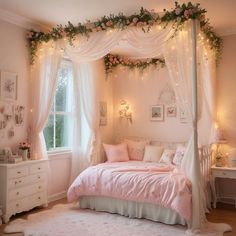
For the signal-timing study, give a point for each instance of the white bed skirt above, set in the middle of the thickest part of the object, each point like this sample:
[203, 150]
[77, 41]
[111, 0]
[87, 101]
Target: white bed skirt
[132, 209]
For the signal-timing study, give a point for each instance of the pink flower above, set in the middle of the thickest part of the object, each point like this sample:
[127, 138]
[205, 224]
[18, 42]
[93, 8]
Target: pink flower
[186, 14]
[140, 24]
[99, 28]
[29, 35]
[178, 11]
[135, 20]
[109, 23]
[89, 25]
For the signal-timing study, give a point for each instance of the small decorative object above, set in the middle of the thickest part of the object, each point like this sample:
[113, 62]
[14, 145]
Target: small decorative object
[11, 132]
[19, 115]
[8, 86]
[24, 147]
[183, 115]
[103, 114]
[157, 113]
[124, 111]
[171, 111]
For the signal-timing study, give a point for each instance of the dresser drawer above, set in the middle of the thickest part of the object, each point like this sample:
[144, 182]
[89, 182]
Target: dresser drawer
[224, 174]
[27, 203]
[13, 183]
[18, 172]
[37, 168]
[26, 191]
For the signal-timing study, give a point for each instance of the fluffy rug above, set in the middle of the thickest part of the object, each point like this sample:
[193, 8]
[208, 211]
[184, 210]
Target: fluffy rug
[69, 220]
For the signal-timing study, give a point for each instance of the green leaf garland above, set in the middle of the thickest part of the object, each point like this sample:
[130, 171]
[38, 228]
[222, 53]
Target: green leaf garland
[111, 61]
[145, 19]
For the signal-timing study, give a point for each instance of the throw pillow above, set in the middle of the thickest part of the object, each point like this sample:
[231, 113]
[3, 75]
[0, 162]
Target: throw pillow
[167, 156]
[152, 153]
[179, 154]
[116, 153]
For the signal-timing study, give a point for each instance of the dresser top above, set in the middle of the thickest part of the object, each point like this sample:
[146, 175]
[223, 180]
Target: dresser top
[29, 162]
[223, 168]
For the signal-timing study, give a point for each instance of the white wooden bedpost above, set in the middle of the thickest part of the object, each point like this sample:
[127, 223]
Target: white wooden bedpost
[196, 223]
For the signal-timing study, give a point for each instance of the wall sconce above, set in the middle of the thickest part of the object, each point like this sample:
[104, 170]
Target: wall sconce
[124, 111]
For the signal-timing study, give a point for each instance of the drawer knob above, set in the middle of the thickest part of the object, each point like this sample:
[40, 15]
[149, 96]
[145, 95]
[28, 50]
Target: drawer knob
[18, 172]
[38, 177]
[17, 204]
[17, 193]
[39, 168]
[224, 173]
[39, 198]
[15, 182]
[19, 181]
[39, 187]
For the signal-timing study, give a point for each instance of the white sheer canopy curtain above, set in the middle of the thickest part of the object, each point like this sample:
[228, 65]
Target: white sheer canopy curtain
[42, 88]
[86, 137]
[178, 53]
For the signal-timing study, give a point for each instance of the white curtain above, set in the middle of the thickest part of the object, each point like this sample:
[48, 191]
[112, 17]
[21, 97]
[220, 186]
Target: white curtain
[42, 88]
[178, 55]
[86, 137]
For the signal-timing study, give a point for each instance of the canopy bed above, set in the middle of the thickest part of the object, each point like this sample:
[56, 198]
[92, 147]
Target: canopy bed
[182, 36]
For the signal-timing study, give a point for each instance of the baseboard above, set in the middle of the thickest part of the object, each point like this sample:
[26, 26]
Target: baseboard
[57, 196]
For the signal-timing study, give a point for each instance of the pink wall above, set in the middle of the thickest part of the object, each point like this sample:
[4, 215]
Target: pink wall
[141, 92]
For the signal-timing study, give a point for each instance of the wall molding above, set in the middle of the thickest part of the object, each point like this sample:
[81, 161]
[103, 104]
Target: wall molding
[227, 32]
[21, 21]
[57, 196]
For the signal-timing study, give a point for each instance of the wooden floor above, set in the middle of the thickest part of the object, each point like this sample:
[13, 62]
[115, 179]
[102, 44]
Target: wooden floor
[224, 213]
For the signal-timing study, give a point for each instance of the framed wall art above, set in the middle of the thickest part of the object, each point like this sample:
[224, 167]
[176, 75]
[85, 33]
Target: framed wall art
[157, 113]
[183, 116]
[19, 115]
[171, 111]
[8, 86]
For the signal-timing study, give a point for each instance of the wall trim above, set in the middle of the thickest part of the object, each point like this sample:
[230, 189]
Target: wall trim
[227, 32]
[21, 21]
[57, 196]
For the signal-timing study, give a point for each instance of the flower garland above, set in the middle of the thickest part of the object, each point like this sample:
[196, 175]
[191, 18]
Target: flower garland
[111, 61]
[145, 19]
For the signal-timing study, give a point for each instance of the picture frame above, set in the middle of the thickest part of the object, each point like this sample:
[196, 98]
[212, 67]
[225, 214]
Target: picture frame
[19, 115]
[8, 86]
[103, 113]
[171, 111]
[157, 113]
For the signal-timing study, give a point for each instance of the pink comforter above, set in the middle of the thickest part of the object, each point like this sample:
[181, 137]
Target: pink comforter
[136, 181]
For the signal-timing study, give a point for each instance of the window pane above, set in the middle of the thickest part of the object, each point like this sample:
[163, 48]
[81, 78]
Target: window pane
[48, 132]
[62, 130]
[62, 90]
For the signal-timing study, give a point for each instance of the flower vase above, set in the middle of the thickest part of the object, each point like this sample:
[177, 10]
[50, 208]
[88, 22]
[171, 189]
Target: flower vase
[25, 154]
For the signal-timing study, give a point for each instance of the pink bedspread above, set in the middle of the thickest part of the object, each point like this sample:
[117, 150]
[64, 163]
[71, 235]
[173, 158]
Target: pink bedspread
[136, 181]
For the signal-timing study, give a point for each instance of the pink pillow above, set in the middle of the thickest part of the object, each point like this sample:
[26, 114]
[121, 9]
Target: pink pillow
[179, 154]
[116, 153]
[136, 149]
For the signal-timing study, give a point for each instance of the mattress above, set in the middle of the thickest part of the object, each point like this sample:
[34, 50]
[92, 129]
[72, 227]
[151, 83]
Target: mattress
[131, 209]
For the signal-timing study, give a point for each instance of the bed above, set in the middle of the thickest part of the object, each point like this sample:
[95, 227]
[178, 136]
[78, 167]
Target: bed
[137, 189]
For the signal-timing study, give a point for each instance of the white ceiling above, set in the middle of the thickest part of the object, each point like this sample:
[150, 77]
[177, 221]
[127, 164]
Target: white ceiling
[53, 12]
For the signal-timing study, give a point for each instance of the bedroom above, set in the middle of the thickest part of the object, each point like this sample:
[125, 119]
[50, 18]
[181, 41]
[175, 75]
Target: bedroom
[128, 85]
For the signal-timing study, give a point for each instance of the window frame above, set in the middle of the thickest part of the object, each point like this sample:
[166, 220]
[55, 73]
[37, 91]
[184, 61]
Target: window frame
[59, 150]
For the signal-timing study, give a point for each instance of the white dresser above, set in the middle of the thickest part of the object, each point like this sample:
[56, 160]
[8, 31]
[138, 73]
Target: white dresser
[23, 186]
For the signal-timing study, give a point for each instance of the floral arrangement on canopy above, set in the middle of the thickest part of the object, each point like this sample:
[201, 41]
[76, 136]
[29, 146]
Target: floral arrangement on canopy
[145, 19]
[111, 61]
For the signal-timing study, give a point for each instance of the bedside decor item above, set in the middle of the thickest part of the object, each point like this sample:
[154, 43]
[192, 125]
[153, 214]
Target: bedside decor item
[24, 147]
[157, 113]
[124, 111]
[8, 86]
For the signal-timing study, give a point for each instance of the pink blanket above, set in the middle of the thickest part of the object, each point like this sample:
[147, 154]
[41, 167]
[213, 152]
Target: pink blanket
[136, 181]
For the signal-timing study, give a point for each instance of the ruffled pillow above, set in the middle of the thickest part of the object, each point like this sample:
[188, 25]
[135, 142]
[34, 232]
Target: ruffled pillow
[179, 154]
[167, 156]
[136, 149]
[152, 153]
[116, 153]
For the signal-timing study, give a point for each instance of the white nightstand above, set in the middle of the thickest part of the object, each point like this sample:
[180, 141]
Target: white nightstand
[222, 172]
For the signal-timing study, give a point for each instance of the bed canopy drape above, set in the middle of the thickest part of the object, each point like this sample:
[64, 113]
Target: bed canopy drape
[187, 72]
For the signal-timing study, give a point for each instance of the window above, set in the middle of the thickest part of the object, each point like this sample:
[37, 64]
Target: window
[58, 130]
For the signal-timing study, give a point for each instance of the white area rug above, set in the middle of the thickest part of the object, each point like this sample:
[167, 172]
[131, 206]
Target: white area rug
[69, 220]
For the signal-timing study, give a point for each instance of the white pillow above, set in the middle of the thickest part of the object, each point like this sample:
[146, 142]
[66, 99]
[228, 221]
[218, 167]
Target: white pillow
[136, 149]
[152, 153]
[179, 154]
[167, 156]
[116, 153]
